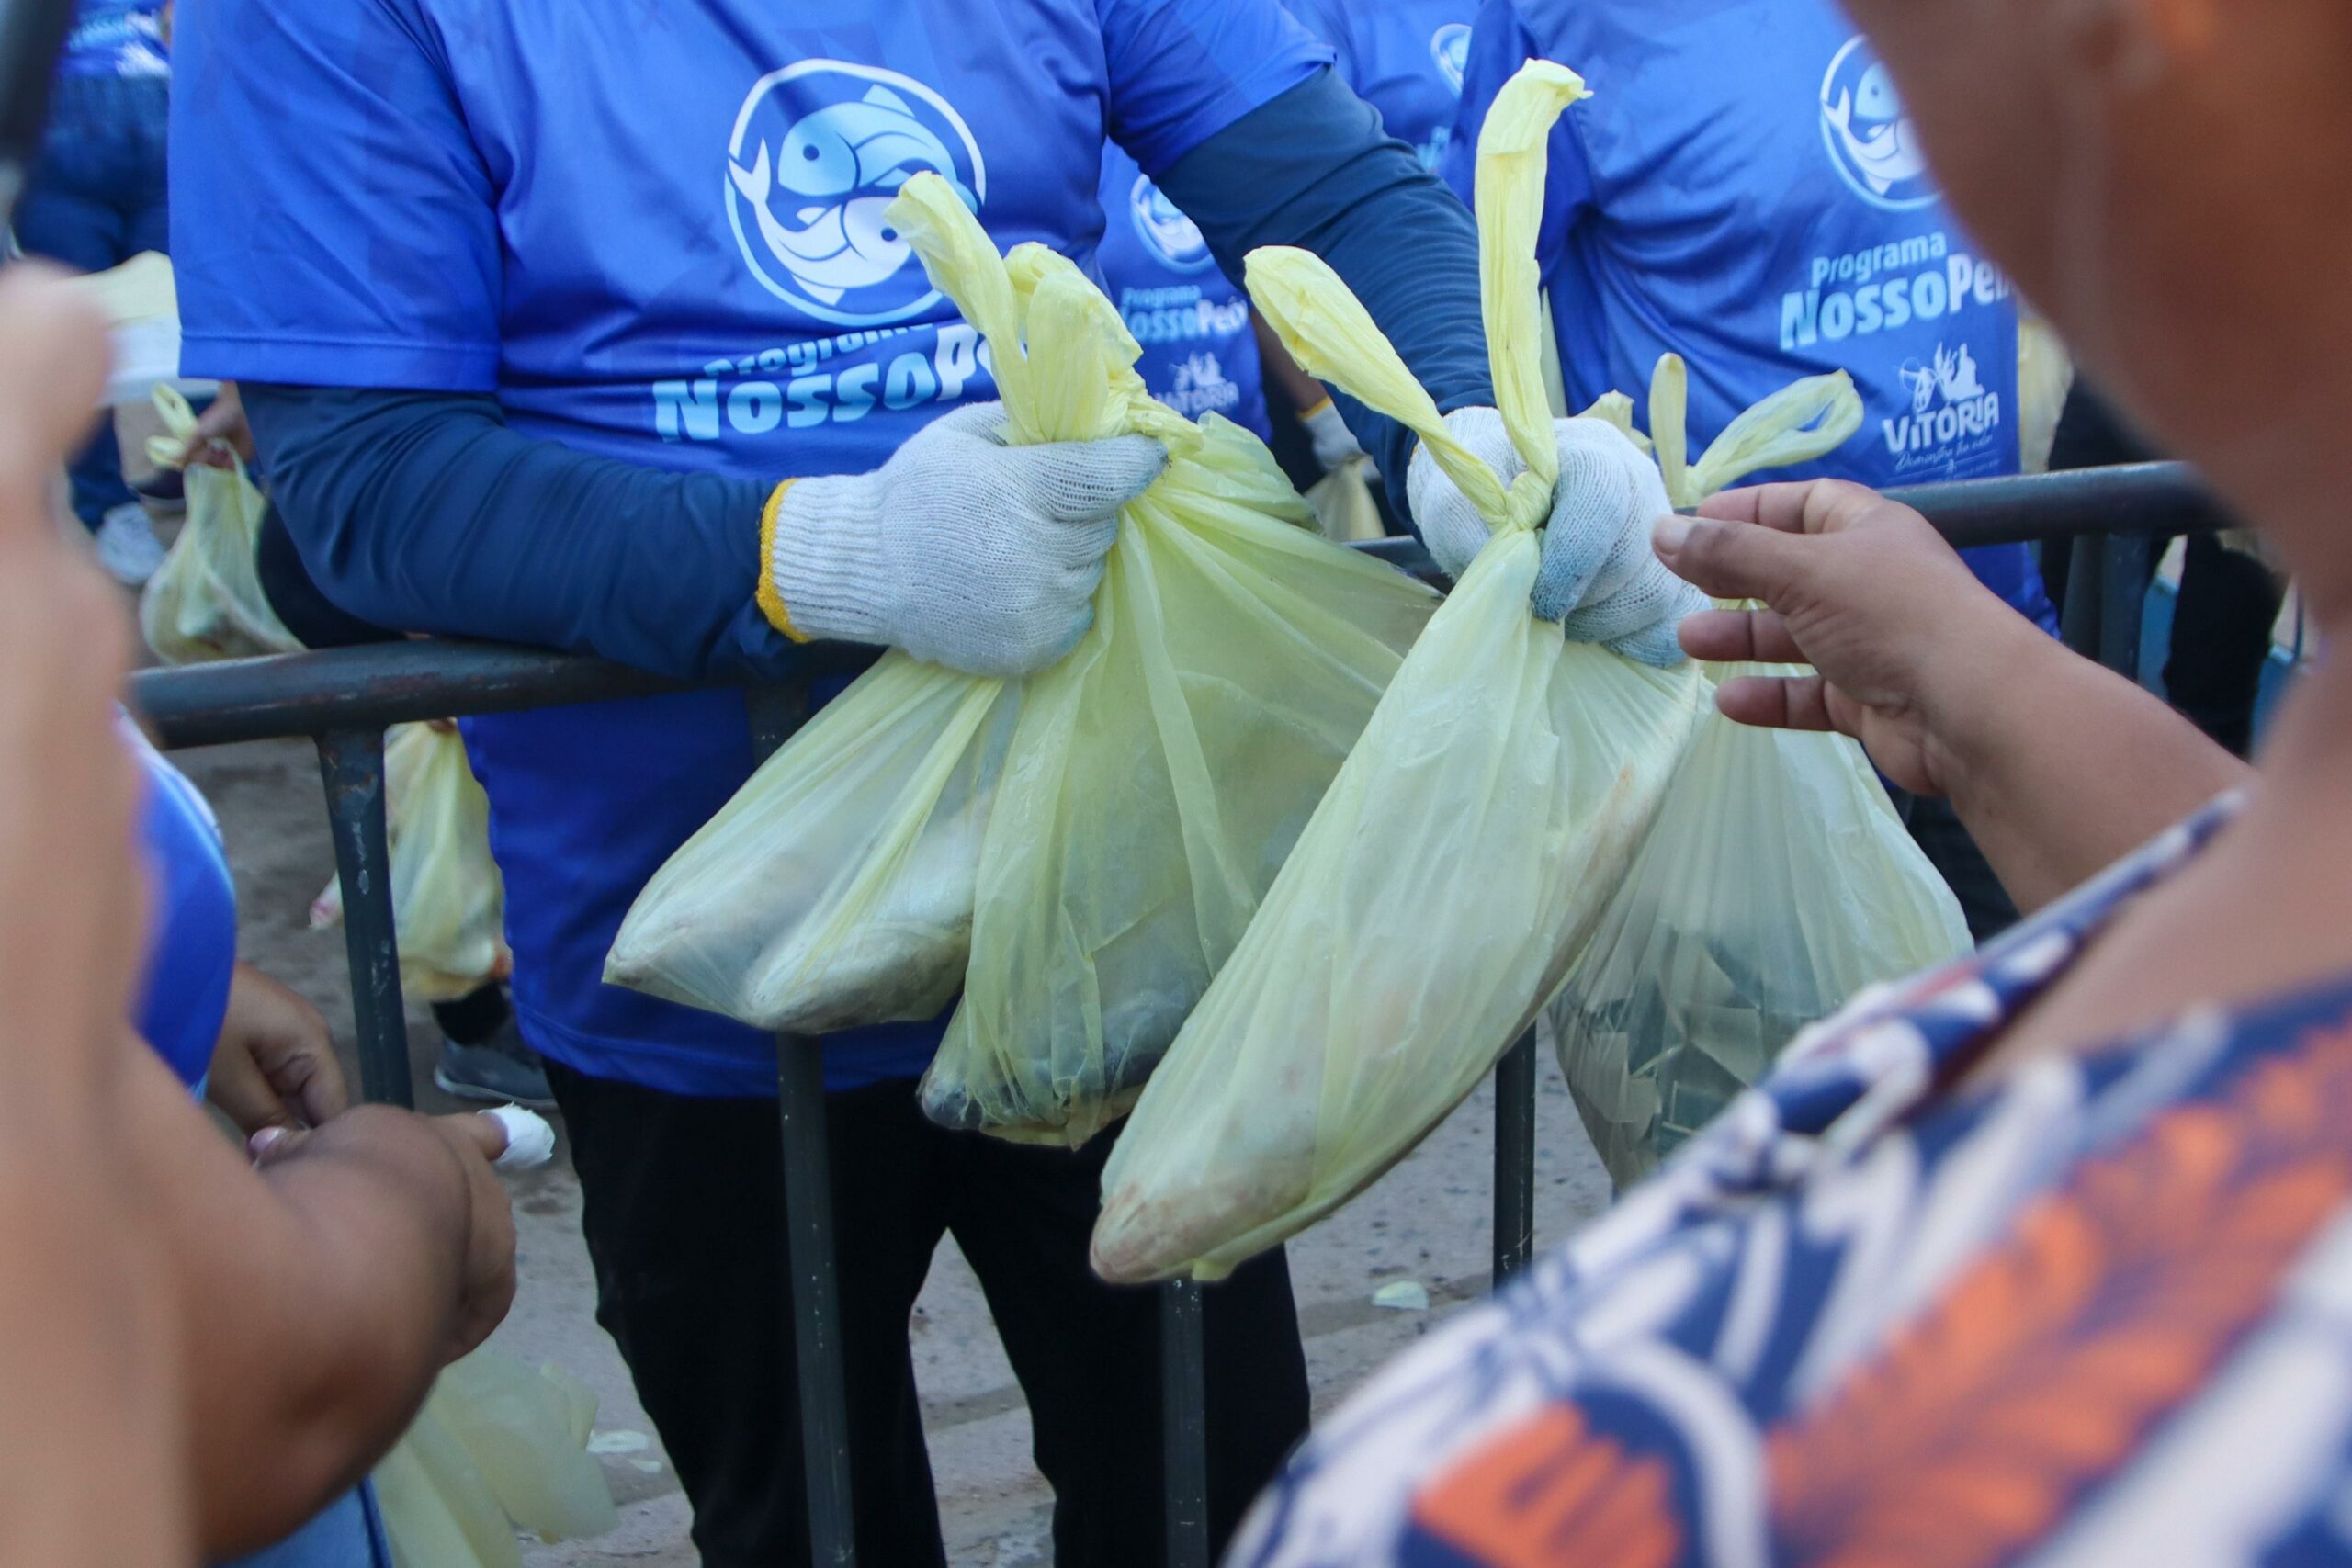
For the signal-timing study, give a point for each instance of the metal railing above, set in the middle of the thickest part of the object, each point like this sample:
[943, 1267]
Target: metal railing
[343, 700]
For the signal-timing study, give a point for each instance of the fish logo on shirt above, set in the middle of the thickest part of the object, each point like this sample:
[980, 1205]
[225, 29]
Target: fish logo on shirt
[819, 152]
[1869, 134]
[1450, 49]
[1164, 230]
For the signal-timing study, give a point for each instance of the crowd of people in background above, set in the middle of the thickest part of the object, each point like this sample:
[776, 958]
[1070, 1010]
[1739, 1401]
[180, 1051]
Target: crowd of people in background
[2030, 1254]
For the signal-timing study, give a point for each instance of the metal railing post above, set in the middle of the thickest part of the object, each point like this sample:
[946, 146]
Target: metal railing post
[1514, 1159]
[1185, 1426]
[351, 766]
[808, 1252]
[343, 699]
[2125, 578]
[2086, 600]
[816, 1300]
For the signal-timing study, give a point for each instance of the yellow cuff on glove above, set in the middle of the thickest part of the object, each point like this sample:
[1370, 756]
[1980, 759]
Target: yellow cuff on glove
[771, 602]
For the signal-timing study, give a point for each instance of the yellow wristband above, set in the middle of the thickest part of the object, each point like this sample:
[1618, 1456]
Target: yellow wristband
[771, 602]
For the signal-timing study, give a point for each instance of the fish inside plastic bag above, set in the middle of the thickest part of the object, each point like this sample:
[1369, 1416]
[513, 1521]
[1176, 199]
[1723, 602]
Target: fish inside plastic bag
[1465, 851]
[448, 900]
[498, 1448]
[835, 889]
[1079, 850]
[1775, 884]
[206, 601]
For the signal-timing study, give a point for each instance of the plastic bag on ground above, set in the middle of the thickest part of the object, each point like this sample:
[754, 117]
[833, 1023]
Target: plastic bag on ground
[448, 900]
[1465, 851]
[1078, 850]
[205, 601]
[1775, 884]
[498, 1448]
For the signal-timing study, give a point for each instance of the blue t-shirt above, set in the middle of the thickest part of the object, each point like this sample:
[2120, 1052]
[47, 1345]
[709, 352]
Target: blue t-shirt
[183, 992]
[1200, 354]
[1403, 57]
[654, 231]
[1744, 188]
[116, 38]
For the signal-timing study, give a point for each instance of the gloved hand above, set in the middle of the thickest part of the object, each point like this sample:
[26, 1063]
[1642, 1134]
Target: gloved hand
[1599, 578]
[960, 550]
[1335, 444]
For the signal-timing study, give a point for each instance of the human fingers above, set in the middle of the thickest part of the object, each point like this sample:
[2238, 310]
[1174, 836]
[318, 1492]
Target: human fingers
[1730, 560]
[1596, 540]
[512, 1137]
[1725, 637]
[475, 1132]
[1776, 701]
[293, 1044]
[1085, 482]
[276, 1061]
[982, 421]
[1798, 506]
[1449, 525]
[237, 1088]
[221, 432]
[275, 1144]
[316, 1085]
[487, 1282]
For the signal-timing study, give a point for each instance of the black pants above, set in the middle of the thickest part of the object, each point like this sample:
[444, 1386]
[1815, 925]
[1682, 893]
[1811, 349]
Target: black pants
[684, 1219]
[1936, 827]
[2221, 641]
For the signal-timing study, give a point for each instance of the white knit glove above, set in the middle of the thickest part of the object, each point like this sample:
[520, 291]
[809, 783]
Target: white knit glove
[960, 550]
[1599, 579]
[1335, 444]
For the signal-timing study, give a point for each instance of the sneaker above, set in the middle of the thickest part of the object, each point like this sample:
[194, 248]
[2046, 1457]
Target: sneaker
[127, 545]
[501, 1069]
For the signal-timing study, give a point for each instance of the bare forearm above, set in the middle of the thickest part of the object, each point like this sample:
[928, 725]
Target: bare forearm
[89, 1390]
[2059, 767]
[319, 1301]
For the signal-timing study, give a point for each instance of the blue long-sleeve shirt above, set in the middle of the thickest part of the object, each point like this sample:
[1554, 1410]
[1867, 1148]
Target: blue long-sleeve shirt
[524, 353]
[1744, 188]
[429, 511]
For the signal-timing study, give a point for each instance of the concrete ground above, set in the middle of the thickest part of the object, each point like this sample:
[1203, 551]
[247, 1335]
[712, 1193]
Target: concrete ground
[1428, 1222]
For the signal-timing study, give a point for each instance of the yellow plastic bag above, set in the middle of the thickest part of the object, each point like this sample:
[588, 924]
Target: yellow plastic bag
[2045, 377]
[1078, 850]
[1775, 884]
[448, 900]
[1343, 505]
[1465, 851]
[205, 601]
[835, 888]
[498, 1448]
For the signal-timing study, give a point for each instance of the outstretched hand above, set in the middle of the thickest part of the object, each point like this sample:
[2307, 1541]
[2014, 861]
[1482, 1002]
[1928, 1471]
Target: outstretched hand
[1860, 587]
